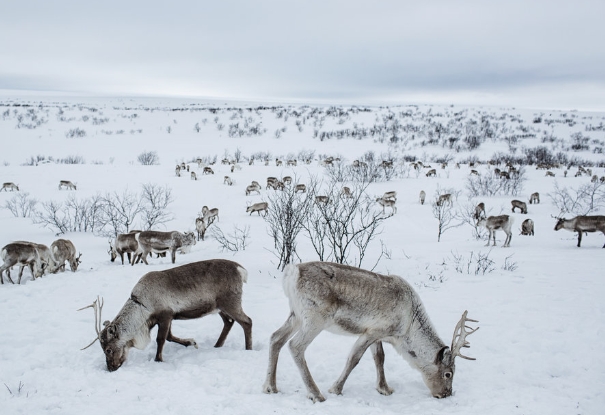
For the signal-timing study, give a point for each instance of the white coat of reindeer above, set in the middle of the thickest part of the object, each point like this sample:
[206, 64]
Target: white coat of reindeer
[377, 308]
[494, 223]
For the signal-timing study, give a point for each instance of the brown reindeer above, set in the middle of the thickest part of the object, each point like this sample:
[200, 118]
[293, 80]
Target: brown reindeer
[534, 198]
[517, 204]
[9, 186]
[187, 292]
[64, 250]
[582, 224]
[494, 223]
[527, 227]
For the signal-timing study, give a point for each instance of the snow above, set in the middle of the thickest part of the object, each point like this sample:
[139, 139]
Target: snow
[542, 324]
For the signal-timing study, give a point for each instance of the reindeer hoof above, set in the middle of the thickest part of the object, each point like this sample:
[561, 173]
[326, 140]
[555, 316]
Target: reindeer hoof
[316, 397]
[385, 390]
[336, 390]
[268, 388]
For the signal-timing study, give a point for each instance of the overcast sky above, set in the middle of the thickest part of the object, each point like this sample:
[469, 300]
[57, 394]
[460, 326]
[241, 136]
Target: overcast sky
[547, 54]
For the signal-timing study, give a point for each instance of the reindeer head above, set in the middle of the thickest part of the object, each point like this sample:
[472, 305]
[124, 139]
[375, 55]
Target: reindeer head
[76, 262]
[439, 378]
[112, 252]
[560, 221]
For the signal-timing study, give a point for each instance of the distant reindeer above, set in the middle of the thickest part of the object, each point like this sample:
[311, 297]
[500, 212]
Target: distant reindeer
[392, 195]
[272, 182]
[193, 176]
[322, 199]
[22, 254]
[300, 187]
[551, 174]
[582, 224]
[278, 162]
[346, 192]
[527, 227]
[291, 163]
[287, 180]
[177, 171]
[446, 198]
[422, 197]
[474, 172]
[252, 188]
[190, 291]
[377, 308]
[258, 207]
[64, 250]
[9, 186]
[387, 202]
[200, 227]
[158, 242]
[228, 181]
[124, 243]
[210, 214]
[534, 198]
[67, 184]
[431, 172]
[517, 204]
[494, 223]
[207, 170]
[480, 211]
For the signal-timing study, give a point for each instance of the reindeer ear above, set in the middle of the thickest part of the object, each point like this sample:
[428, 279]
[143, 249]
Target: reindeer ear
[444, 356]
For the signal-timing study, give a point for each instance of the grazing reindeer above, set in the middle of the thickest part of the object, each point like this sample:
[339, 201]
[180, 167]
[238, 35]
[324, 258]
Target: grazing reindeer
[67, 184]
[347, 300]
[22, 254]
[582, 224]
[322, 199]
[9, 186]
[291, 163]
[594, 179]
[474, 172]
[504, 175]
[210, 214]
[479, 211]
[551, 174]
[207, 170]
[193, 176]
[346, 192]
[201, 227]
[252, 188]
[422, 197]
[387, 202]
[190, 291]
[527, 227]
[517, 204]
[228, 181]
[493, 223]
[392, 195]
[272, 182]
[158, 242]
[258, 207]
[124, 243]
[534, 198]
[64, 250]
[278, 162]
[177, 171]
[446, 198]
[286, 180]
[431, 172]
[301, 187]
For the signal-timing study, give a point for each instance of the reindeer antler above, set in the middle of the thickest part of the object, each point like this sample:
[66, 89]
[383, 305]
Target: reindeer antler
[97, 306]
[459, 340]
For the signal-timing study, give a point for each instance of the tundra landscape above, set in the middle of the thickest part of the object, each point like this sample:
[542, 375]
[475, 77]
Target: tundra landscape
[392, 189]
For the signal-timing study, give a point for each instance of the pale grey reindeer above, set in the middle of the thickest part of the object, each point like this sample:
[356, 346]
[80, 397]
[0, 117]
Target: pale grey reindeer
[387, 203]
[534, 198]
[209, 215]
[9, 186]
[346, 192]
[446, 198]
[48, 262]
[228, 181]
[64, 250]
[377, 308]
[479, 211]
[201, 227]
[300, 187]
[159, 242]
[186, 292]
[21, 254]
[67, 184]
[193, 175]
[392, 195]
[582, 224]
[422, 197]
[252, 188]
[494, 223]
[258, 207]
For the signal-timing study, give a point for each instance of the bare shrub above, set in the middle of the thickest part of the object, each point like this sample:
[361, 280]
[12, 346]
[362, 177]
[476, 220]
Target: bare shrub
[148, 158]
[233, 242]
[447, 217]
[586, 198]
[489, 184]
[21, 205]
[154, 204]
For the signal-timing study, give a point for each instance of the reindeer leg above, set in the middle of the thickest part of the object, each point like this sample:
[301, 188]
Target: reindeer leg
[173, 255]
[235, 313]
[227, 324]
[299, 343]
[381, 382]
[579, 238]
[278, 339]
[163, 330]
[184, 342]
[359, 348]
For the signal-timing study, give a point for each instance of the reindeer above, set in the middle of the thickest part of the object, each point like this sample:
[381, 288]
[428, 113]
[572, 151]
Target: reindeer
[258, 207]
[193, 176]
[67, 184]
[517, 204]
[346, 192]
[252, 188]
[300, 187]
[347, 300]
[527, 227]
[479, 211]
[474, 173]
[278, 162]
[228, 181]
[64, 250]
[551, 174]
[582, 224]
[431, 172]
[446, 198]
[22, 254]
[293, 163]
[534, 198]
[154, 241]
[190, 291]
[201, 227]
[387, 202]
[322, 199]
[9, 186]
[125, 243]
[594, 179]
[177, 171]
[272, 182]
[422, 197]
[207, 170]
[493, 223]
[209, 214]
[392, 195]
[286, 180]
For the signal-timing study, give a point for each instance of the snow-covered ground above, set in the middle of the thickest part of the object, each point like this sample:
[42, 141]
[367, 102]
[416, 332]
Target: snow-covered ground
[542, 319]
